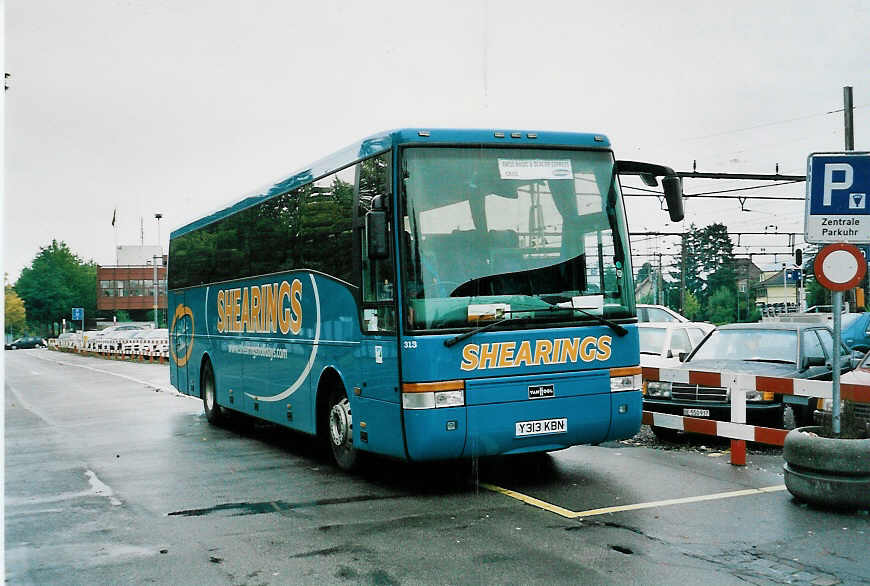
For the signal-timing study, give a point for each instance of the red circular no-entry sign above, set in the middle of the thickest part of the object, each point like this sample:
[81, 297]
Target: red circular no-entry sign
[840, 266]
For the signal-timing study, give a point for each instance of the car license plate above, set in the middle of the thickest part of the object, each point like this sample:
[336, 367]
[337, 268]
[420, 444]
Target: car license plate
[697, 412]
[541, 427]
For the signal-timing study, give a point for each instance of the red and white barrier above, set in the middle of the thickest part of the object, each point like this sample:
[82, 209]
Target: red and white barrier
[736, 429]
[152, 349]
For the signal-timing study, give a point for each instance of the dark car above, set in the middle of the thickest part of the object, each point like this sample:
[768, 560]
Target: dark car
[787, 350]
[26, 342]
[855, 329]
[858, 418]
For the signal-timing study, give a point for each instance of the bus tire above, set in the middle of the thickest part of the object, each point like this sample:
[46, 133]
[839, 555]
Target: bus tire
[339, 426]
[213, 412]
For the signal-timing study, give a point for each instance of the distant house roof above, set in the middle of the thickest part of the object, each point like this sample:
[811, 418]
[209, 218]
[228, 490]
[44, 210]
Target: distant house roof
[773, 280]
[744, 267]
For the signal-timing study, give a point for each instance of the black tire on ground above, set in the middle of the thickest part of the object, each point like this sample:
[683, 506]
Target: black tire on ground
[803, 415]
[215, 414]
[665, 433]
[777, 419]
[339, 431]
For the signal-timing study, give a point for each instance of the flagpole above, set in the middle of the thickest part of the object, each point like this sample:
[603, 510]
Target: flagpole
[115, 230]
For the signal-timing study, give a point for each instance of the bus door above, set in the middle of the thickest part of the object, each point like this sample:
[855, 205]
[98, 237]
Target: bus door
[379, 406]
[378, 402]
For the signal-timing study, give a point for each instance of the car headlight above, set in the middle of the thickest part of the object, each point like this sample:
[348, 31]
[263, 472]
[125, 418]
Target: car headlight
[759, 396]
[656, 388]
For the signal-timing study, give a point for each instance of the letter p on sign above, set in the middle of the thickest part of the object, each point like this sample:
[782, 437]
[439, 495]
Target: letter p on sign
[830, 184]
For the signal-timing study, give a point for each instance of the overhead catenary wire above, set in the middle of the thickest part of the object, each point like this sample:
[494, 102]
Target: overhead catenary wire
[774, 123]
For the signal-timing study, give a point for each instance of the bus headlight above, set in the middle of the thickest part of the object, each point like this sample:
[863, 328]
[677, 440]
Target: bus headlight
[449, 399]
[630, 382]
[656, 388]
[433, 395]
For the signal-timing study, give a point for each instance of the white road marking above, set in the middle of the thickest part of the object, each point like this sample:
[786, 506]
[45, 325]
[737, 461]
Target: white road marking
[169, 389]
[101, 488]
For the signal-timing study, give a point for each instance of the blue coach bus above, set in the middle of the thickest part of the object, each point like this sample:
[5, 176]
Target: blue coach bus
[423, 295]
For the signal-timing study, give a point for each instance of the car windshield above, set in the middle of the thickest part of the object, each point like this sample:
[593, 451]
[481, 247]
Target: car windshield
[755, 345]
[652, 340]
[528, 229]
[848, 319]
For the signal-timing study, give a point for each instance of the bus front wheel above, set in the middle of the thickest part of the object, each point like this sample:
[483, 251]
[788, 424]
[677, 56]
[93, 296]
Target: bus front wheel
[213, 412]
[340, 426]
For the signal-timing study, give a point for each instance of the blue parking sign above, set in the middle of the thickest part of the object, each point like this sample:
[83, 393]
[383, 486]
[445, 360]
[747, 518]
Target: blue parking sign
[837, 208]
[78, 313]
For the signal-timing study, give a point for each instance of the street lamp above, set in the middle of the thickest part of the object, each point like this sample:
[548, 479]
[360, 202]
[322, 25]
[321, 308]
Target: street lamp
[157, 217]
[154, 262]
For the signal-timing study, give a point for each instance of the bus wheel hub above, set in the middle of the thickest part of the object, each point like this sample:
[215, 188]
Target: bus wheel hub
[340, 423]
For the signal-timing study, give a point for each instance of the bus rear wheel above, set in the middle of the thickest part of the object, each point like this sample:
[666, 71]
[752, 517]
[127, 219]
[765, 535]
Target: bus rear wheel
[213, 412]
[339, 424]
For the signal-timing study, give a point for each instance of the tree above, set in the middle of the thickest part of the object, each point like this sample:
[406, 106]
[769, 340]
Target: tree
[161, 317]
[708, 256]
[721, 306]
[717, 260]
[644, 272]
[686, 265]
[56, 281]
[691, 307]
[15, 315]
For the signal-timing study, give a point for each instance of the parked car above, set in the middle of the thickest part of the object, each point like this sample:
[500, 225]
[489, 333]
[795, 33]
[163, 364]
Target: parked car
[859, 376]
[101, 341]
[150, 338]
[663, 343]
[26, 342]
[789, 350]
[855, 330]
[112, 341]
[658, 313]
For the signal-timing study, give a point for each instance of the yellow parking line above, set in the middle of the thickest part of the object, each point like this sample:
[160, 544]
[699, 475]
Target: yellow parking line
[592, 512]
[529, 500]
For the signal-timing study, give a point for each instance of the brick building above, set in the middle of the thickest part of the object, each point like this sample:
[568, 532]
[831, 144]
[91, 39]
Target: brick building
[129, 285]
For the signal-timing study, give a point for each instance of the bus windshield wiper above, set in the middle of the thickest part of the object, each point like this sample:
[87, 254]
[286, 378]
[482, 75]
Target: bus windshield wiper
[620, 331]
[459, 337]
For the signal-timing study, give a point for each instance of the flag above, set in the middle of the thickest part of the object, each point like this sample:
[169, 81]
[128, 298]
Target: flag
[113, 217]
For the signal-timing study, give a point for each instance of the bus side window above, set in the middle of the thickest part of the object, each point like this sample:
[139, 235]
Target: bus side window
[378, 281]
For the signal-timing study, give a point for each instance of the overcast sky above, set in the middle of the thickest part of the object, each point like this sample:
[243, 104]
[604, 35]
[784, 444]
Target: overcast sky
[181, 106]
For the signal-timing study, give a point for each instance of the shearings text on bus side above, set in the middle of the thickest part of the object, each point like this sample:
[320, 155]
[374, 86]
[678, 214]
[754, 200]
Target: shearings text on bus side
[261, 308]
[528, 353]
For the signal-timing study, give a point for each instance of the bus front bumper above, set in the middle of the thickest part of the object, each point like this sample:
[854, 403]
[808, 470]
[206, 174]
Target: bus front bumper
[521, 426]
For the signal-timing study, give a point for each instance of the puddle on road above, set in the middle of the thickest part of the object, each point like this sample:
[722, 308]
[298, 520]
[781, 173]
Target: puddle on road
[238, 509]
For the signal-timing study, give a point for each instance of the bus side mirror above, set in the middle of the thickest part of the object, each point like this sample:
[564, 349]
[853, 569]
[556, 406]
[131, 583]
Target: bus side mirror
[673, 187]
[376, 230]
[671, 183]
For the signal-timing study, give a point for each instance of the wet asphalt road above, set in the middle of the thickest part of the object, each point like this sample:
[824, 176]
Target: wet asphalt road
[113, 478]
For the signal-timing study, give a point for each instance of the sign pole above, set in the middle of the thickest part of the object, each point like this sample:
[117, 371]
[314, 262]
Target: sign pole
[839, 267]
[837, 303]
[83, 330]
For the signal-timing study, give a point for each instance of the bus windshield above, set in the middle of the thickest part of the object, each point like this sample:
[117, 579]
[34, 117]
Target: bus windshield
[515, 229]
